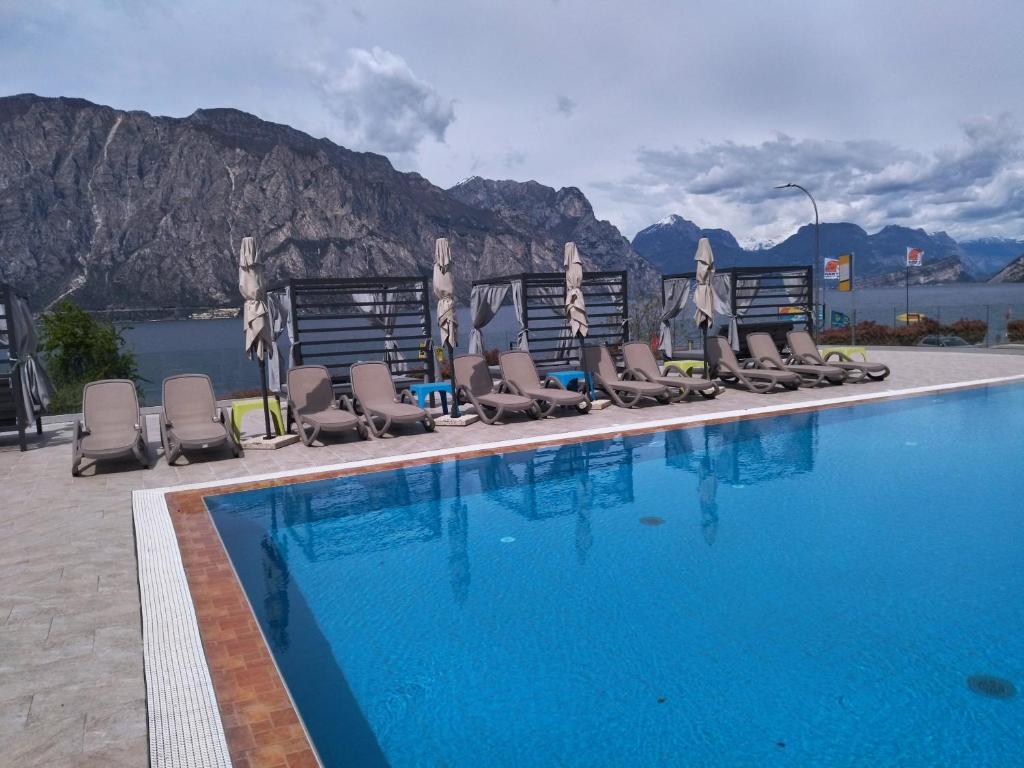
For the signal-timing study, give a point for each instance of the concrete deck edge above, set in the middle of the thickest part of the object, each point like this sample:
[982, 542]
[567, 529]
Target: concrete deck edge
[184, 720]
[185, 727]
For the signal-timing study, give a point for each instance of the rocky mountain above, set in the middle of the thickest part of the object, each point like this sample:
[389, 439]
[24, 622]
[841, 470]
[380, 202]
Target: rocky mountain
[671, 243]
[1011, 273]
[950, 270]
[124, 209]
[984, 257]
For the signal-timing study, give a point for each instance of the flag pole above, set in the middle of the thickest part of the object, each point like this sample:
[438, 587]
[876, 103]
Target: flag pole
[907, 281]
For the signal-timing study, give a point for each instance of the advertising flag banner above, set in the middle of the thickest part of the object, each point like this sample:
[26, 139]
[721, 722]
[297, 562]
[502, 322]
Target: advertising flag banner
[831, 269]
[914, 257]
[840, 320]
[845, 272]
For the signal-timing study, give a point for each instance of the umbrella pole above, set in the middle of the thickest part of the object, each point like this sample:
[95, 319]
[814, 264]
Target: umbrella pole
[450, 352]
[704, 347]
[587, 377]
[266, 404]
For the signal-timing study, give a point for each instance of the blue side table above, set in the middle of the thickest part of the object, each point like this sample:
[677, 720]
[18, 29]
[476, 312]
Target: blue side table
[429, 387]
[566, 377]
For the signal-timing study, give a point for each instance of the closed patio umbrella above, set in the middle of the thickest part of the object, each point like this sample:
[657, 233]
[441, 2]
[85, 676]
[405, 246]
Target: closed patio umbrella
[444, 292]
[704, 296]
[255, 314]
[575, 306]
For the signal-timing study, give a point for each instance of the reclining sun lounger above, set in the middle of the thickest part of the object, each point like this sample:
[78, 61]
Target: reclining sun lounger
[520, 376]
[375, 395]
[473, 381]
[597, 361]
[724, 365]
[314, 408]
[766, 355]
[191, 419]
[804, 349]
[641, 366]
[111, 426]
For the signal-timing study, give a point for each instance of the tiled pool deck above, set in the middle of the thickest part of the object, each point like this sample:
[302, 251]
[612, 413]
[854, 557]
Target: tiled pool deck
[72, 688]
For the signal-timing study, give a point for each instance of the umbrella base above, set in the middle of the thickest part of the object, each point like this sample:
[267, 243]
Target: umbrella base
[600, 405]
[451, 421]
[260, 443]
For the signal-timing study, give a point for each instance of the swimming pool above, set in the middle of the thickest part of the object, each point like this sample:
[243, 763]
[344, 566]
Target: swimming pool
[802, 590]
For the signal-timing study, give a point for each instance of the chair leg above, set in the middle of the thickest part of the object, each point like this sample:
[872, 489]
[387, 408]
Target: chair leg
[139, 449]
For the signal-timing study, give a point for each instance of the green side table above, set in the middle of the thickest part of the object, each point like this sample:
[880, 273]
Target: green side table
[827, 352]
[685, 367]
[241, 407]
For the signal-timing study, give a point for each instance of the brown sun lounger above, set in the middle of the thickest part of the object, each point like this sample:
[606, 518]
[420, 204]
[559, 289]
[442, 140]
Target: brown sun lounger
[806, 351]
[520, 377]
[766, 355]
[375, 395]
[625, 393]
[111, 426]
[642, 366]
[313, 407]
[724, 365]
[191, 419]
[473, 382]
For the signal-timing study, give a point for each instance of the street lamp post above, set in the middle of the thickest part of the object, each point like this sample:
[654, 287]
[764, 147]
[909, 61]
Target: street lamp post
[817, 259]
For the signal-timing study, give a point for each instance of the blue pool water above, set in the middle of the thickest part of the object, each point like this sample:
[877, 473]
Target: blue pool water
[804, 590]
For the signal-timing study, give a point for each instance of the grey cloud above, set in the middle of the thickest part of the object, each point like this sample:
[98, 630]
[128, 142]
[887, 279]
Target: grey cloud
[977, 180]
[380, 102]
[564, 105]
[514, 158]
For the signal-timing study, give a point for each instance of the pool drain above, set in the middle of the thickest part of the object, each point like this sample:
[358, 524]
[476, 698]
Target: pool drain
[652, 520]
[507, 539]
[993, 687]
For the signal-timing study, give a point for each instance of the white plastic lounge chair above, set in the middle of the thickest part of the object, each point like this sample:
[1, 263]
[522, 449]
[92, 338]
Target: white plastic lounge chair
[375, 395]
[111, 426]
[191, 419]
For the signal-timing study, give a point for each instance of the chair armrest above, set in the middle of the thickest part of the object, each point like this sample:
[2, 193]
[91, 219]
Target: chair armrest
[345, 403]
[406, 396]
[80, 429]
[670, 370]
[511, 387]
[551, 381]
[635, 374]
[143, 430]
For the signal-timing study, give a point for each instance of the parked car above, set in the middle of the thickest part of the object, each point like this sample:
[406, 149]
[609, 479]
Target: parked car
[942, 340]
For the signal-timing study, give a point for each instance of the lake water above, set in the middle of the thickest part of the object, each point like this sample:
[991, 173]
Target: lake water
[214, 347]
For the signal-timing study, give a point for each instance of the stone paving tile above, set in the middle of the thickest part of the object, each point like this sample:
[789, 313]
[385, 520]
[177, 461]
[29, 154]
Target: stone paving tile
[68, 553]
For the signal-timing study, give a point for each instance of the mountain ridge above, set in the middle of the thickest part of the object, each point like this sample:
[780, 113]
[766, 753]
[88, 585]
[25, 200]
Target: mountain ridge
[124, 209]
[670, 244]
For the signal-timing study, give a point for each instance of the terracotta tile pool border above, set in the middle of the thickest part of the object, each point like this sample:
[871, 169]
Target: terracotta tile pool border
[260, 721]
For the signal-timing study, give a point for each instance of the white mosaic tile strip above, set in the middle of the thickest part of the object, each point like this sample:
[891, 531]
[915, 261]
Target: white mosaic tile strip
[185, 728]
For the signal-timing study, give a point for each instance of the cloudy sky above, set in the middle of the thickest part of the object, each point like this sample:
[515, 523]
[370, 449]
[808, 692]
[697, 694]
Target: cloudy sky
[891, 112]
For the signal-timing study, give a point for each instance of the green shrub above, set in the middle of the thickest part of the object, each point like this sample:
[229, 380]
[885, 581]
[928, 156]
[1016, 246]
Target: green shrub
[874, 334]
[1015, 330]
[78, 348]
